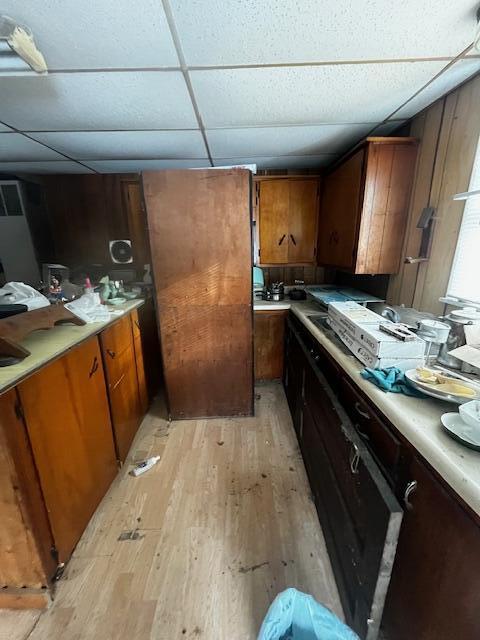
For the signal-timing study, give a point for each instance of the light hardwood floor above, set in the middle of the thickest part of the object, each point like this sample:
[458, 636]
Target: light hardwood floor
[217, 528]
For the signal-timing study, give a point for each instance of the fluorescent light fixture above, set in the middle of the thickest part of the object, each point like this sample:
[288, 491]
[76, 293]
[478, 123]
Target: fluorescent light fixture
[18, 53]
[466, 195]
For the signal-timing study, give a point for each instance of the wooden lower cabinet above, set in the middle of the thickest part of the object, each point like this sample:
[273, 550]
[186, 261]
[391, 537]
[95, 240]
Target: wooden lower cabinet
[119, 356]
[269, 332]
[434, 593]
[139, 364]
[26, 541]
[66, 412]
[360, 469]
[359, 514]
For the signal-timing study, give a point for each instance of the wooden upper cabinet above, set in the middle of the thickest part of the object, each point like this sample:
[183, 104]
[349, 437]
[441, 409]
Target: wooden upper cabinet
[364, 207]
[66, 412]
[287, 219]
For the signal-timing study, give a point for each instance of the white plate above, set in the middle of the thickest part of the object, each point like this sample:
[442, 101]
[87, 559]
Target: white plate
[430, 390]
[459, 430]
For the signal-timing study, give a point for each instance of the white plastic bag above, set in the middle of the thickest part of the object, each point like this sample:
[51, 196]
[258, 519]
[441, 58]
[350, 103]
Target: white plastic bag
[21, 293]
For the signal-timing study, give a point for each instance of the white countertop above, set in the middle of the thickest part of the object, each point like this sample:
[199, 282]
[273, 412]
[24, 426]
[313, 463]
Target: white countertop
[270, 305]
[46, 345]
[417, 419]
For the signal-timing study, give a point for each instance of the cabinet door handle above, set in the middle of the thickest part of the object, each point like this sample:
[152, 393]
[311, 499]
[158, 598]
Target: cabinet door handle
[293, 240]
[361, 433]
[137, 323]
[358, 409]
[111, 353]
[281, 240]
[354, 459]
[410, 488]
[94, 367]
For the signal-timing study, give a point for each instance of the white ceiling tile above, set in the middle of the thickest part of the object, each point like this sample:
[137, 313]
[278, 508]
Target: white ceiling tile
[133, 166]
[83, 101]
[279, 162]
[454, 76]
[15, 147]
[104, 145]
[307, 95]
[269, 141]
[214, 32]
[62, 166]
[105, 34]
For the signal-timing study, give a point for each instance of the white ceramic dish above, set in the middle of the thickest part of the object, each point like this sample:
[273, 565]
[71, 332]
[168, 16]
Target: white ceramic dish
[459, 430]
[430, 390]
[470, 413]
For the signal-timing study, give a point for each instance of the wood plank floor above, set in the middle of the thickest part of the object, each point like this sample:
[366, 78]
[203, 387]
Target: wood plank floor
[212, 533]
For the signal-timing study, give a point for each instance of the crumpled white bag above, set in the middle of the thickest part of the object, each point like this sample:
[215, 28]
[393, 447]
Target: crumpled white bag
[89, 308]
[21, 293]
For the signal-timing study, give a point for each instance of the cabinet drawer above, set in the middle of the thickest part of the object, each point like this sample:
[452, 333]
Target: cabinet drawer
[117, 337]
[376, 435]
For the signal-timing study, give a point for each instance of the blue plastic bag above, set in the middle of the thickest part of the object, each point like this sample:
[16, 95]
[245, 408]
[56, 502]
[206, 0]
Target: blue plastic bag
[294, 615]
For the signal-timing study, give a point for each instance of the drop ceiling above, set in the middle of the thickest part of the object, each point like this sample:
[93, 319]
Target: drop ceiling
[194, 83]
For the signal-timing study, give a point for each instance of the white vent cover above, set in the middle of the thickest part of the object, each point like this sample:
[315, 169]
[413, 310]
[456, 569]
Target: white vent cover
[121, 251]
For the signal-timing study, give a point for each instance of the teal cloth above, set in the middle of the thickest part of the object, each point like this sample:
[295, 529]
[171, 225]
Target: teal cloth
[294, 615]
[391, 379]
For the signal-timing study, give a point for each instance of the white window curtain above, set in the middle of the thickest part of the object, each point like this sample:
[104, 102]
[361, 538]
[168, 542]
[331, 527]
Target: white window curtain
[464, 283]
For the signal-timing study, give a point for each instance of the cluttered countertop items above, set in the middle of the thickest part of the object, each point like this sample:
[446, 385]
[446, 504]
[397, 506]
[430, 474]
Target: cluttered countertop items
[418, 419]
[38, 326]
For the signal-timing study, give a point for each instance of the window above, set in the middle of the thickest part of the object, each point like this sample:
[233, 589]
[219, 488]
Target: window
[464, 283]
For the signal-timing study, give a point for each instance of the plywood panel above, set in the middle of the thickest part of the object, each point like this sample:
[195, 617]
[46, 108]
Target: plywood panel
[200, 238]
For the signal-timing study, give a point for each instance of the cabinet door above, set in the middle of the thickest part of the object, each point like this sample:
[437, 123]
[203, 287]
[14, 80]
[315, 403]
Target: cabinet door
[139, 364]
[302, 221]
[269, 332]
[294, 379]
[359, 513]
[339, 220]
[25, 537]
[124, 400]
[274, 220]
[68, 421]
[434, 592]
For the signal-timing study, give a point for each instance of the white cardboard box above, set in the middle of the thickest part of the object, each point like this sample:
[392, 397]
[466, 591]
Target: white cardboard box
[368, 358]
[363, 325]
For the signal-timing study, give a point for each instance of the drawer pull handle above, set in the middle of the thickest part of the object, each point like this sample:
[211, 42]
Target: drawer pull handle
[361, 433]
[354, 459]
[361, 412]
[410, 488]
[111, 353]
[94, 367]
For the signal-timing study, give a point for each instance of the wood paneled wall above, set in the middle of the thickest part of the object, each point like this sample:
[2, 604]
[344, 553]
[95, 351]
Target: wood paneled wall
[86, 211]
[288, 275]
[449, 132]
